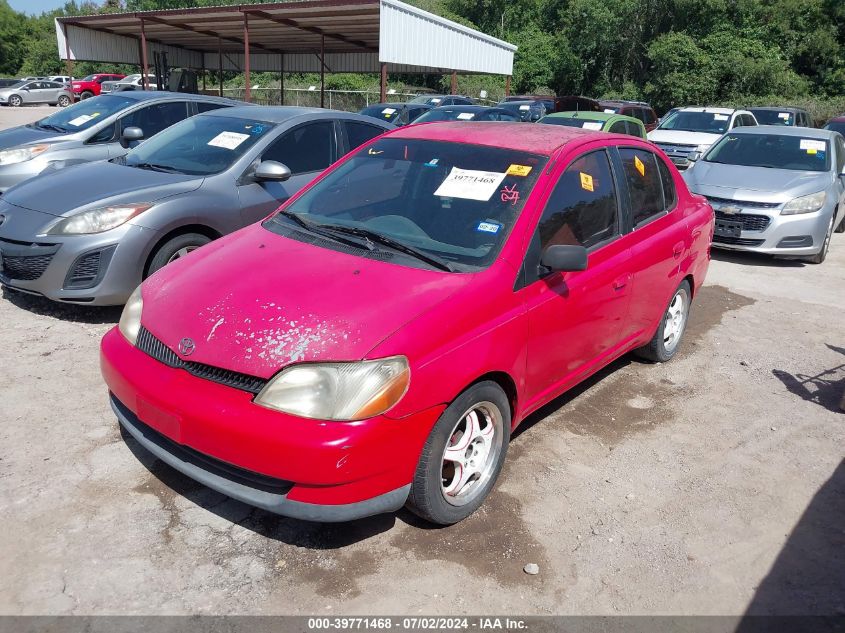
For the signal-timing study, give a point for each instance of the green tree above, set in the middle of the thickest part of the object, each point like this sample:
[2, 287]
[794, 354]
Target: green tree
[13, 39]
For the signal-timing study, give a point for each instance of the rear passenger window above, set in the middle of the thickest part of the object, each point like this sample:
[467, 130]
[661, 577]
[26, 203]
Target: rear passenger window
[359, 133]
[648, 116]
[633, 129]
[670, 197]
[644, 184]
[207, 106]
[582, 209]
[620, 127]
[310, 147]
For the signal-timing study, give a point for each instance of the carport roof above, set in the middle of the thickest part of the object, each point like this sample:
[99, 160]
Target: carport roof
[397, 32]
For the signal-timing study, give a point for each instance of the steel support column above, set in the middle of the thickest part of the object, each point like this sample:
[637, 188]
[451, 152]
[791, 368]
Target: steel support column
[383, 83]
[322, 71]
[220, 64]
[508, 86]
[145, 82]
[248, 93]
[68, 61]
[454, 82]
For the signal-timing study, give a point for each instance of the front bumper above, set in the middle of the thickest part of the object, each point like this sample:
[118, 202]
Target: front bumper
[326, 471]
[785, 235]
[100, 269]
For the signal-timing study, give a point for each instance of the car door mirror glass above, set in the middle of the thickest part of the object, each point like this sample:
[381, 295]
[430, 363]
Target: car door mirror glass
[564, 258]
[132, 134]
[271, 170]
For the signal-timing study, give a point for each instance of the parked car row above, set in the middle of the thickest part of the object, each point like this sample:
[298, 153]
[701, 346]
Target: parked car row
[374, 341]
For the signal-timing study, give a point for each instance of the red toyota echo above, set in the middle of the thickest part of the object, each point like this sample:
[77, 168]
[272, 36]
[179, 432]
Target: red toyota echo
[375, 341]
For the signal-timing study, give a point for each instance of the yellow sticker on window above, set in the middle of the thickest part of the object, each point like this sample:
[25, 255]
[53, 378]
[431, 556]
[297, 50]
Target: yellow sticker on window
[811, 151]
[518, 170]
[586, 181]
[639, 165]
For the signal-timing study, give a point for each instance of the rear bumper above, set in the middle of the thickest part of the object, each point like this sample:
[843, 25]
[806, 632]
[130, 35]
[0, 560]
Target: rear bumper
[328, 471]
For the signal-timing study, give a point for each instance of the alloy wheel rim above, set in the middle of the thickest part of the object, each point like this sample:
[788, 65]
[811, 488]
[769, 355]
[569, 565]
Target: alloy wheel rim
[181, 253]
[675, 321]
[471, 454]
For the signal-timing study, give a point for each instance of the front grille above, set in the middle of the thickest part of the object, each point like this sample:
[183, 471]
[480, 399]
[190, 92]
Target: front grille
[750, 204]
[151, 346]
[736, 241]
[749, 221]
[25, 267]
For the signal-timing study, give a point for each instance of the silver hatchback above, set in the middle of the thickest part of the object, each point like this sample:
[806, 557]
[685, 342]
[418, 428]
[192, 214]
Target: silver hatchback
[775, 190]
[33, 92]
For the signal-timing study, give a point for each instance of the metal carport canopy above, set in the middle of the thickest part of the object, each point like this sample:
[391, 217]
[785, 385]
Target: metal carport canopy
[353, 35]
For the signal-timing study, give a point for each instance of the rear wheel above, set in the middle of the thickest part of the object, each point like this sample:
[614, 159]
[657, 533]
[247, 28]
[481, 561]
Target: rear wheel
[15, 101]
[86, 95]
[667, 339]
[463, 455]
[64, 101]
[819, 257]
[176, 248]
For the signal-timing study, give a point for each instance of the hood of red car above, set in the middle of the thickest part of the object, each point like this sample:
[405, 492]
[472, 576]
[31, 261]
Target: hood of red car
[254, 302]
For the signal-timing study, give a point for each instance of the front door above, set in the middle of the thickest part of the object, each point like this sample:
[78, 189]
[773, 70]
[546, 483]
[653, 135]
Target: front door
[577, 320]
[306, 150]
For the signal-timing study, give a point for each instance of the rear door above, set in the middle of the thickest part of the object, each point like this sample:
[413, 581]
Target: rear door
[307, 149]
[577, 320]
[660, 236]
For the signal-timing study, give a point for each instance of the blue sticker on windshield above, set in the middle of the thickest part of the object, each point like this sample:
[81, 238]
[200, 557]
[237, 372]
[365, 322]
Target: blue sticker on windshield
[488, 227]
[255, 129]
[432, 162]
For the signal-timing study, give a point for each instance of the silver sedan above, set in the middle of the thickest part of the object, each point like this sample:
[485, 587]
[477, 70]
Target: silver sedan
[90, 233]
[775, 190]
[32, 92]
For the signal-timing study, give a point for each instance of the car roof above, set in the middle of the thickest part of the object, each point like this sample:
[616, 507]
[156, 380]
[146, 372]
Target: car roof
[837, 119]
[280, 114]
[146, 95]
[588, 115]
[523, 102]
[784, 130]
[391, 104]
[535, 139]
[462, 107]
[714, 109]
[776, 108]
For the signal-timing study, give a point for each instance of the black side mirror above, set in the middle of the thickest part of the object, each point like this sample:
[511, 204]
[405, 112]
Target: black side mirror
[132, 134]
[271, 170]
[564, 258]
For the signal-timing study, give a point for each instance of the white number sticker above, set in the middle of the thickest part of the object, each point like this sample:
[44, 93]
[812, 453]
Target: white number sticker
[470, 184]
[388, 111]
[591, 125]
[228, 140]
[807, 143]
[720, 117]
[465, 116]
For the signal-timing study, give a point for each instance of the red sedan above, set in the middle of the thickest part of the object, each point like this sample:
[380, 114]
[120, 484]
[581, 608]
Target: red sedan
[375, 341]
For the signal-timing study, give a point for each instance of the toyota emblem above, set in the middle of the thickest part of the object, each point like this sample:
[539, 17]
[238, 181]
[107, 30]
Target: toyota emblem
[186, 346]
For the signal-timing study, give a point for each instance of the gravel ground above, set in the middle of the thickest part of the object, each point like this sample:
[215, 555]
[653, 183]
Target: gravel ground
[714, 484]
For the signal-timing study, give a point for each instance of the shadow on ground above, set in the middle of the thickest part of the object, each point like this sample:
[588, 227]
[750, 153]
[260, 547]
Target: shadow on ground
[754, 259]
[808, 576]
[63, 311]
[825, 388]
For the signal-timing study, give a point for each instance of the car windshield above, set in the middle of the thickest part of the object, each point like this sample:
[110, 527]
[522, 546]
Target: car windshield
[89, 78]
[707, 122]
[385, 112]
[427, 99]
[773, 117]
[836, 126]
[611, 109]
[571, 121]
[449, 201]
[84, 114]
[199, 146]
[17, 84]
[446, 114]
[774, 151]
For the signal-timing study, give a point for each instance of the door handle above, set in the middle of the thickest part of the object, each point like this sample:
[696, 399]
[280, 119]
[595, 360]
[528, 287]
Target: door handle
[678, 249]
[620, 282]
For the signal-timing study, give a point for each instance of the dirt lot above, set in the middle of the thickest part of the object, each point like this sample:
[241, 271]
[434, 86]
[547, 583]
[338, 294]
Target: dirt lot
[714, 484]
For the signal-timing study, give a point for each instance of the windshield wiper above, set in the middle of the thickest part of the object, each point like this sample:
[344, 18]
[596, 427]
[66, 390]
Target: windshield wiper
[317, 230]
[391, 243]
[155, 167]
[50, 126]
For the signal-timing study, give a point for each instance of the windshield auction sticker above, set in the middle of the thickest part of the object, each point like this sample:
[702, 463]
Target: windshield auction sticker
[470, 184]
[815, 146]
[228, 140]
[81, 120]
[592, 125]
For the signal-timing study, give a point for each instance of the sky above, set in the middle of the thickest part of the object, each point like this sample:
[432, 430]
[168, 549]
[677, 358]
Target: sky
[35, 7]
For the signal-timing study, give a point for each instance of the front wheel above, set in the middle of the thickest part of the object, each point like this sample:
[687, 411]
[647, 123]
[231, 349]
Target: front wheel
[64, 101]
[463, 455]
[175, 248]
[819, 257]
[15, 101]
[86, 95]
[666, 340]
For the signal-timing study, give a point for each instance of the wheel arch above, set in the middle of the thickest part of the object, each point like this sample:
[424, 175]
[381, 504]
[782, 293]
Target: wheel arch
[508, 385]
[184, 229]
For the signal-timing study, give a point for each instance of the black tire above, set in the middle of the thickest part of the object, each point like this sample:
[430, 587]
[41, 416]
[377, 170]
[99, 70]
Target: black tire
[170, 250]
[63, 102]
[15, 101]
[428, 498]
[841, 227]
[819, 257]
[657, 350]
[86, 95]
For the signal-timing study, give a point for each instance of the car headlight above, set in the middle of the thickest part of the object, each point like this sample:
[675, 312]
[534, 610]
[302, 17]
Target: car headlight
[22, 154]
[97, 220]
[130, 319]
[805, 204]
[338, 391]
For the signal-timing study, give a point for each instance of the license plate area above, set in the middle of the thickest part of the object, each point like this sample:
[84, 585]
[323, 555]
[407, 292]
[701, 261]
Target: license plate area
[726, 228]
